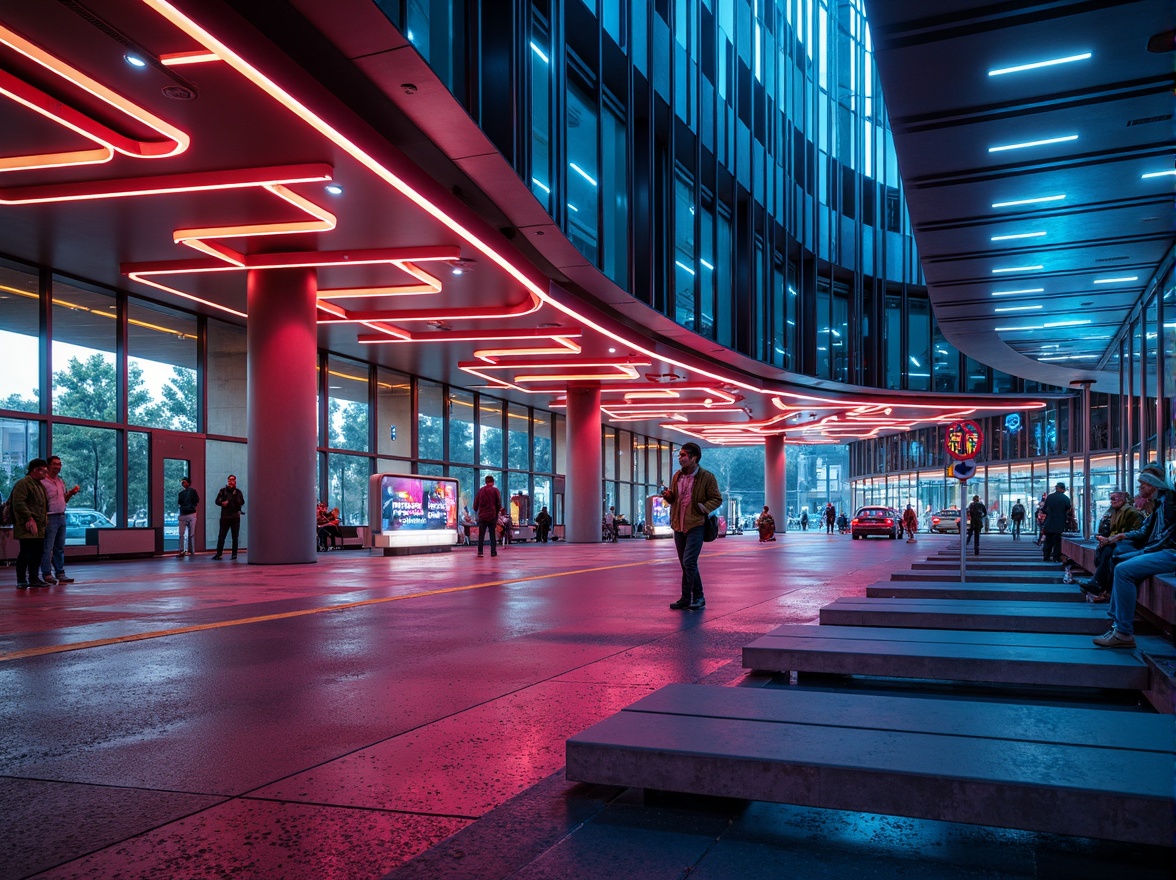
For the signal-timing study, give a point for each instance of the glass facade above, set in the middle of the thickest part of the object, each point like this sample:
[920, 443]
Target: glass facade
[729, 164]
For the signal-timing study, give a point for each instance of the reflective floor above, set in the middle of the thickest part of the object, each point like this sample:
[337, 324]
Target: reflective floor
[368, 716]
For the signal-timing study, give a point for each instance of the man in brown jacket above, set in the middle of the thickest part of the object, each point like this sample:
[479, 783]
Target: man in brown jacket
[30, 518]
[692, 495]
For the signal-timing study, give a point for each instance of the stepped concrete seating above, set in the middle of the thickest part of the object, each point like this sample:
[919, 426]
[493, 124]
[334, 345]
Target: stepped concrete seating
[967, 614]
[1088, 772]
[992, 576]
[1156, 594]
[977, 589]
[983, 563]
[1046, 659]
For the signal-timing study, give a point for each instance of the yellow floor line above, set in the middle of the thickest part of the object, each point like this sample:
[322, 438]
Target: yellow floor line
[157, 634]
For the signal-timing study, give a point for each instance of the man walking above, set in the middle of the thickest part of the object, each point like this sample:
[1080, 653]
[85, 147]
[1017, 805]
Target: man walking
[692, 495]
[53, 556]
[1017, 515]
[231, 502]
[487, 503]
[830, 518]
[1153, 552]
[188, 499]
[976, 513]
[1057, 512]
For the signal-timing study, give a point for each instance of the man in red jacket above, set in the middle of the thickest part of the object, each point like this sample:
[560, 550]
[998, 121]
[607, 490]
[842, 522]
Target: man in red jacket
[487, 503]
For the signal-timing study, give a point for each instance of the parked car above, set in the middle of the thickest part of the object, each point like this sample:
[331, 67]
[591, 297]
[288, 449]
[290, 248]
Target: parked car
[876, 521]
[946, 520]
[78, 519]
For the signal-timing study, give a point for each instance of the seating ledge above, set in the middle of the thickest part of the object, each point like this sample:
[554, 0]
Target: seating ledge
[1157, 594]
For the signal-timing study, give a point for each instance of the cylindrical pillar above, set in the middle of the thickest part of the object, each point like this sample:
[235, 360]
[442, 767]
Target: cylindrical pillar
[583, 501]
[282, 421]
[775, 484]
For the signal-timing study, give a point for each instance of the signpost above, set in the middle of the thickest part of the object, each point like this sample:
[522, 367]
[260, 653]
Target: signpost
[963, 440]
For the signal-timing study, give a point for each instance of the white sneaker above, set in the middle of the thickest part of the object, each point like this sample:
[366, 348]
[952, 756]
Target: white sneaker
[1115, 639]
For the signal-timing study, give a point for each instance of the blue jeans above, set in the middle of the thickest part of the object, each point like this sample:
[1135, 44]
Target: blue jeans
[1128, 573]
[54, 552]
[689, 545]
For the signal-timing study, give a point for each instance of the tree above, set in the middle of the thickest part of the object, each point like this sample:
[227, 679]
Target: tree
[347, 475]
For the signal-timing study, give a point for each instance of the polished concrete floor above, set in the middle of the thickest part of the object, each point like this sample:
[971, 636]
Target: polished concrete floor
[365, 717]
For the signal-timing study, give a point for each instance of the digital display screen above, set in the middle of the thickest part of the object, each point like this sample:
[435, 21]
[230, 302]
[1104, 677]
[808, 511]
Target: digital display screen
[417, 503]
[661, 512]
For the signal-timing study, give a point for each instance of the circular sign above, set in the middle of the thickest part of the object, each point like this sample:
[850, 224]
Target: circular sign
[963, 440]
[964, 470]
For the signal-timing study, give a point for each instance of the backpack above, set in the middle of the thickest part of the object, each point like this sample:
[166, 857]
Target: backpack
[1018, 512]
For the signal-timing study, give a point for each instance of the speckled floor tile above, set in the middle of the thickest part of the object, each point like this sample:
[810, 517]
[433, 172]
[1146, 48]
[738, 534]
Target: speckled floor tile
[47, 823]
[467, 764]
[262, 839]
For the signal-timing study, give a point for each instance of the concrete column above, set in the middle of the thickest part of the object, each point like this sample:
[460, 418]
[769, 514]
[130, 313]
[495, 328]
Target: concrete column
[283, 430]
[582, 503]
[775, 488]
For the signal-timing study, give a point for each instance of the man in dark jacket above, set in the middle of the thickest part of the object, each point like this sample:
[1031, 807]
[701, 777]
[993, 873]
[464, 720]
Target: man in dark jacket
[1057, 513]
[1154, 552]
[30, 519]
[232, 503]
[1017, 515]
[976, 513]
[487, 504]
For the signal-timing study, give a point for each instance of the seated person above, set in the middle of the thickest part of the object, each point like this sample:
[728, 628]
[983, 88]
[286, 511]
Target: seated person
[610, 525]
[1121, 517]
[1152, 551]
[766, 526]
[467, 522]
[327, 522]
[504, 527]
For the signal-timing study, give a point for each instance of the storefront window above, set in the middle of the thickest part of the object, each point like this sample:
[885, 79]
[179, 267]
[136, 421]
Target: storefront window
[461, 426]
[347, 405]
[161, 366]
[490, 451]
[20, 330]
[430, 421]
[347, 487]
[85, 377]
[394, 418]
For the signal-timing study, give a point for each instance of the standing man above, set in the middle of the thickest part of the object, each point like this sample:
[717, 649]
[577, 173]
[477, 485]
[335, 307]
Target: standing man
[692, 495]
[54, 552]
[976, 513]
[188, 499]
[1057, 513]
[232, 503]
[487, 503]
[30, 517]
[542, 525]
[1017, 515]
[1154, 552]
[830, 518]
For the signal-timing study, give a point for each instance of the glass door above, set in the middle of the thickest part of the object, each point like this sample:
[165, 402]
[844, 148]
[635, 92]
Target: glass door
[175, 456]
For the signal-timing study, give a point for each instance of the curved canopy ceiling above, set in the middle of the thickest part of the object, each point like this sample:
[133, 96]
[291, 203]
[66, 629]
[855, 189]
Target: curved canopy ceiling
[259, 136]
[1035, 143]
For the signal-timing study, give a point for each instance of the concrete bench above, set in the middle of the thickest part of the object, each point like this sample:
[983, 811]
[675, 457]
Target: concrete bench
[981, 575]
[1046, 659]
[1088, 772]
[354, 536]
[977, 589]
[1010, 616]
[984, 563]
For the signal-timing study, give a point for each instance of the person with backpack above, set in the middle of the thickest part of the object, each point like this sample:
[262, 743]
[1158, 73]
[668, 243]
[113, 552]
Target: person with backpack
[30, 520]
[976, 513]
[1017, 515]
[692, 495]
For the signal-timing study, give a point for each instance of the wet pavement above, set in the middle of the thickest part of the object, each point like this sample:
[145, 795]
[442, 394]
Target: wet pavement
[369, 716]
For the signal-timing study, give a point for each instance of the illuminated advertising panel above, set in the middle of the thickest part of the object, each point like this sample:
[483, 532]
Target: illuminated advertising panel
[412, 511]
[657, 518]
